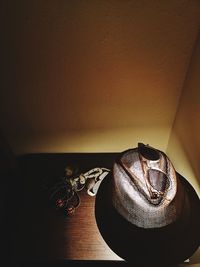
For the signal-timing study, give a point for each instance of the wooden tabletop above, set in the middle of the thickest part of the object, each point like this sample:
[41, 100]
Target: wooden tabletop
[37, 230]
[36, 233]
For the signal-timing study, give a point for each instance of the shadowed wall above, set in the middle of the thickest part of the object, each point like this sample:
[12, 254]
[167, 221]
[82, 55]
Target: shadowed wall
[186, 128]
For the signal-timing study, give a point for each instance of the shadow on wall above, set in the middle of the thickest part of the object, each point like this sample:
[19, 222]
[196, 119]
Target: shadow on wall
[186, 126]
[192, 150]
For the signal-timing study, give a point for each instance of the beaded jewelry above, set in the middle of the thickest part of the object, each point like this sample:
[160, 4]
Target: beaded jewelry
[64, 194]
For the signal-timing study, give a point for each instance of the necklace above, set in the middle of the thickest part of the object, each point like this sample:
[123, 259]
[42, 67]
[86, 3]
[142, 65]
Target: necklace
[64, 195]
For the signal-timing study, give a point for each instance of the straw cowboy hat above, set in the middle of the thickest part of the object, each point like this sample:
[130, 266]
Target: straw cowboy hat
[147, 212]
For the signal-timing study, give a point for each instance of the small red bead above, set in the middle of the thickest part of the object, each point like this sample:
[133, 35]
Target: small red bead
[60, 203]
[70, 210]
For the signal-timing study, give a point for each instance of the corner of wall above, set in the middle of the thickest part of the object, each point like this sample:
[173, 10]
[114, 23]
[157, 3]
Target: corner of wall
[184, 140]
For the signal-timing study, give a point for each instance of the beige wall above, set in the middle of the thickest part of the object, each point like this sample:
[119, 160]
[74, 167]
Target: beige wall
[186, 129]
[184, 142]
[93, 75]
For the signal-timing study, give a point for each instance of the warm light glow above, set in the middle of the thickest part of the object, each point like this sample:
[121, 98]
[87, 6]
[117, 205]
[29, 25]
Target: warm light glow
[181, 161]
[94, 140]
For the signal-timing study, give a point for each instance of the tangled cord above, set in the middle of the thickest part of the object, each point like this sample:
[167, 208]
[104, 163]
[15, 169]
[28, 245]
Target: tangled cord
[64, 194]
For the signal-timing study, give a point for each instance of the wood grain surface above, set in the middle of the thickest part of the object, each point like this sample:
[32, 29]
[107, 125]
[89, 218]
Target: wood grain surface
[84, 240]
[37, 234]
[37, 231]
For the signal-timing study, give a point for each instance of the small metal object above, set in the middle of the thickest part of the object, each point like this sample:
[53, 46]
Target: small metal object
[64, 194]
[82, 179]
[69, 171]
[92, 191]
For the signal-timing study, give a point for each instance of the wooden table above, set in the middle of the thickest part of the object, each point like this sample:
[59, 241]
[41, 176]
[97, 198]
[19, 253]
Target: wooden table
[37, 232]
[38, 235]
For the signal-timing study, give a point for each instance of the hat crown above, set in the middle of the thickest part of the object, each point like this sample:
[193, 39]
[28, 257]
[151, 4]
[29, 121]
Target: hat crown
[144, 187]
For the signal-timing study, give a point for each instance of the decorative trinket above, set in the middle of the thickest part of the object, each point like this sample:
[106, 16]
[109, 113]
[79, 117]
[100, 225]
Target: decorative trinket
[64, 194]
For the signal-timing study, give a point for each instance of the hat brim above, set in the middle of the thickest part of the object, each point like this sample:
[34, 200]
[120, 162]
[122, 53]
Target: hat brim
[170, 244]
